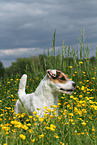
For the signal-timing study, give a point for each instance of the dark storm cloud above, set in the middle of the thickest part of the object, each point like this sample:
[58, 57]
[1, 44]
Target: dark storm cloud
[30, 24]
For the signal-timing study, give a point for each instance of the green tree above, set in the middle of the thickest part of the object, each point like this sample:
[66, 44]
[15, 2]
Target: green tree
[1, 70]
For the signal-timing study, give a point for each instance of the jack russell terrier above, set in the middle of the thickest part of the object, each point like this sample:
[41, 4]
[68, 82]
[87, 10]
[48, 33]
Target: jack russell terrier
[46, 93]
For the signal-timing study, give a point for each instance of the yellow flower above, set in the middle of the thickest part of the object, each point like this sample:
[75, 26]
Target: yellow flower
[41, 119]
[56, 136]
[24, 127]
[82, 88]
[52, 127]
[59, 104]
[71, 96]
[80, 62]
[82, 133]
[49, 110]
[45, 107]
[37, 116]
[34, 112]
[55, 106]
[68, 105]
[67, 123]
[83, 123]
[47, 128]
[51, 116]
[70, 66]
[93, 129]
[33, 140]
[41, 136]
[5, 144]
[80, 96]
[29, 124]
[93, 78]
[30, 130]
[71, 114]
[22, 136]
[0, 119]
[31, 116]
[38, 109]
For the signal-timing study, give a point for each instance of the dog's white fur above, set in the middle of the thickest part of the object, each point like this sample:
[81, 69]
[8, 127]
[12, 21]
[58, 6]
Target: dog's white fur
[46, 93]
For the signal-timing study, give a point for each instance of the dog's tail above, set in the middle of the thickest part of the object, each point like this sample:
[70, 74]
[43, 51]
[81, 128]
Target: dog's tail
[22, 85]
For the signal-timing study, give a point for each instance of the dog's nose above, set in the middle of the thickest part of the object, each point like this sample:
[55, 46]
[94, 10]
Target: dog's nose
[74, 84]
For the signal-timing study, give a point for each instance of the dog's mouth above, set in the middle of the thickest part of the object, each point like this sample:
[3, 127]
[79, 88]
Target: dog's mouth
[67, 91]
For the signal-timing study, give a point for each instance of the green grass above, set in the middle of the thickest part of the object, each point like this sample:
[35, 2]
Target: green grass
[77, 119]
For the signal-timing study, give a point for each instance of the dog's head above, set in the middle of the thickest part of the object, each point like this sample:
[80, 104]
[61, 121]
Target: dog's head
[61, 81]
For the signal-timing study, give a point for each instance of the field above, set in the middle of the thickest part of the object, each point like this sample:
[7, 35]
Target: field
[76, 123]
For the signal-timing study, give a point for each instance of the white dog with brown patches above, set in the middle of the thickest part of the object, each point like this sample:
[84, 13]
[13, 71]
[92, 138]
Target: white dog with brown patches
[46, 93]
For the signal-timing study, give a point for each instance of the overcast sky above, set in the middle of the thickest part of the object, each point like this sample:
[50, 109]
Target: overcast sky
[27, 26]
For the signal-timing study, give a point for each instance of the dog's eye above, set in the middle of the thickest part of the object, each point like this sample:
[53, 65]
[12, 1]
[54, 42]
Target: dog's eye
[63, 79]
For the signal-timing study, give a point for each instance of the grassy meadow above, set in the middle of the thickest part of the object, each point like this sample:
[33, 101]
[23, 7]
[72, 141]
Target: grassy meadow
[76, 123]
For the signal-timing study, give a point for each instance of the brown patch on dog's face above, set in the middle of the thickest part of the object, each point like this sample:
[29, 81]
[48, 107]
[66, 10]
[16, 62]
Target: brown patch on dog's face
[59, 77]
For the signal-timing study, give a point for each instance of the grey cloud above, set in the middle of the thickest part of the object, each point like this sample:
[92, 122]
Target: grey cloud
[9, 55]
[27, 23]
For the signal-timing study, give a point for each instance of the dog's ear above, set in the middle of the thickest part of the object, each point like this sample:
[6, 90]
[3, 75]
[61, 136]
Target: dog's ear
[54, 74]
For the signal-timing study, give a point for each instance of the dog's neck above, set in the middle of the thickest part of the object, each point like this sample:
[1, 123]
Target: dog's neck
[47, 92]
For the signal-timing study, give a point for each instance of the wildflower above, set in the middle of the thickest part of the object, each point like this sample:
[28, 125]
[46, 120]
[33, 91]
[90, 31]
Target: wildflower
[30, 130]
[41, 136]
[34, 119]
[8, 82]
[70, 66]
[52, 127]
[59, 104]
[80, 62]
[41, 119]
[22, 136]
[68, 105]
[80, 96]
[0, 119]
[93, 129]
[38, 109]
[33, 140]
[45, 115]
[32, 116]
[56, 136]
[55, 106]
[51, 116]
[34, 112]
[45, 107]
[71, 114]
[5, 144]
[71, 96]
[47, 128]
[83, 123]
[29, 124]
[82, 88]
[82, 133]
[93, 78]
[49, 110]
[71, 120]
[35, 123]
[67, 123]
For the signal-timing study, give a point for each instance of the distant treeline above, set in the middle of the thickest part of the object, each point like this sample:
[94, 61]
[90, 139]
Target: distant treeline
[37, 65]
